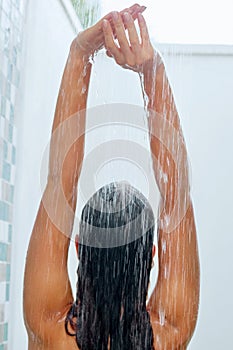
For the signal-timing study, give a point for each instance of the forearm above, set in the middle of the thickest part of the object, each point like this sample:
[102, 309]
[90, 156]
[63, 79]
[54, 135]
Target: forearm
[67, 140]
[168, 148]
[72, 97]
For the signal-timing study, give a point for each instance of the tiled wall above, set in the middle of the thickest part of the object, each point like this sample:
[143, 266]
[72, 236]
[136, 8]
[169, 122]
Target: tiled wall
[11, 20]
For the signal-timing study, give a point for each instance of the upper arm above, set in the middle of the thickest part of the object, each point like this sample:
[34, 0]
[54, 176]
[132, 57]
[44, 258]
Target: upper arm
[47, 290]
[175, 299]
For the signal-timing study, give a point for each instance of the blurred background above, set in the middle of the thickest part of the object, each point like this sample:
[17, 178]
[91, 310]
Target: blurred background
[195, 40]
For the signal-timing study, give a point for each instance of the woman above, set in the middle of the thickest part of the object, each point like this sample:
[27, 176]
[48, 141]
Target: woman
[110, 310]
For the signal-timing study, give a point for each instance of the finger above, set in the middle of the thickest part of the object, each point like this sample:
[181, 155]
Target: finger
[136, 11]
[133, 10]
[108, 53]
[134, 7]
[133, 35]
[120, 33]
[109, 17]
[143, 29]
[109, 41]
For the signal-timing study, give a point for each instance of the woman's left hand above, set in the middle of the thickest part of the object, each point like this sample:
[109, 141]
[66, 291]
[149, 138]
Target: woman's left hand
[134, 53]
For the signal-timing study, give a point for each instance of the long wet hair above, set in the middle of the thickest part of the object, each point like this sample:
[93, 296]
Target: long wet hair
[115, 257]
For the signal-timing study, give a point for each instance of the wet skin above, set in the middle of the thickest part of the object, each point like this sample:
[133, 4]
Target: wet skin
[173, 305]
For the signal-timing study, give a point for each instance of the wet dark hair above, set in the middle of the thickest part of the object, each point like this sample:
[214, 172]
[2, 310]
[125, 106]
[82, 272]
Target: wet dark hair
[115, 257]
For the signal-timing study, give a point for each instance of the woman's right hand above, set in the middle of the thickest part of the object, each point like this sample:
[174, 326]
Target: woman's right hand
[135, 53]
[91, 40]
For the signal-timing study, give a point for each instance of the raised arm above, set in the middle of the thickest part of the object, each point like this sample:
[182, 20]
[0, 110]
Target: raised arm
[174, 302]
[47, 290]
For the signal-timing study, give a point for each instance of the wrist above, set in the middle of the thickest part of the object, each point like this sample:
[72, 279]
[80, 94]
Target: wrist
[80, 53]
[152, 74]
[153, 65]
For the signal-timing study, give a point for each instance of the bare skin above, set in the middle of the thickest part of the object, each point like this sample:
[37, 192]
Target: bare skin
[174, 302]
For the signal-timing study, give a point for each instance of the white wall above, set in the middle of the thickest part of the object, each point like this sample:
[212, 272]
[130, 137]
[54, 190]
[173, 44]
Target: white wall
[203, 85]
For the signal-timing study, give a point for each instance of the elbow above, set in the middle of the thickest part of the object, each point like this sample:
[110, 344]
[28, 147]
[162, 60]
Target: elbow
[185, 331]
